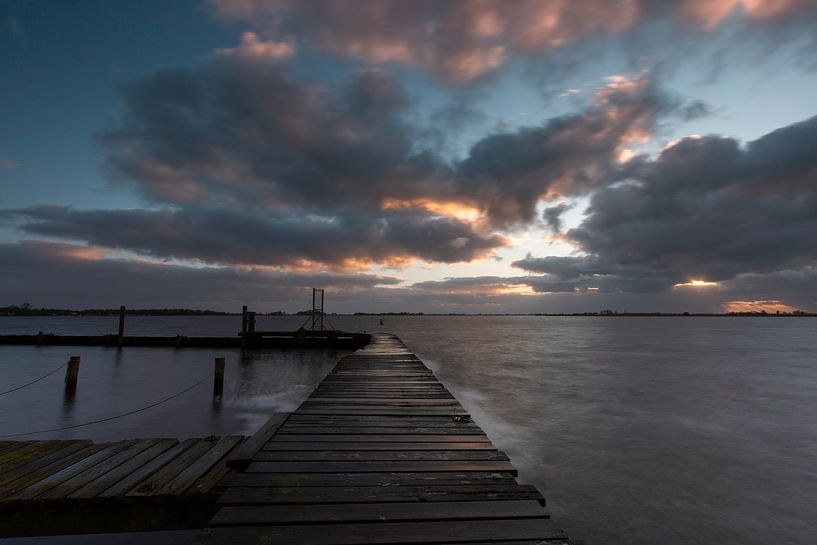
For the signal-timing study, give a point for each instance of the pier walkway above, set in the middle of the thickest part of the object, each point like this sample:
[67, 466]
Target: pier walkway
[381, 453]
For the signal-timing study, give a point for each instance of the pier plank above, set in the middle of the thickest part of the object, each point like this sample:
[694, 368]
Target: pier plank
[369, 467]
[9, 490]
[69, 486]
[331, 454]
[167, 472]
[64, 448]
[346, 480]
[485, 530]
[287, 446]
[143, 474]
[44, 485]
[109, 479]
[376, 494]
[189, 475]
[382, 512]
[244, 453]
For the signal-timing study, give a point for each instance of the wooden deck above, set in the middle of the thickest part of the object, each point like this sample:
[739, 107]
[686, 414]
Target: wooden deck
[62, 487]
[381, 453]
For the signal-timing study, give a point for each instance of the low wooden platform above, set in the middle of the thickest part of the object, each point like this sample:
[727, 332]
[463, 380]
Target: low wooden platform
[67, 487]
[380, 453]
[267, 339]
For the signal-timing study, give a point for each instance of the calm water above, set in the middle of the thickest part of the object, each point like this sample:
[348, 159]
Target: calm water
[638, 430]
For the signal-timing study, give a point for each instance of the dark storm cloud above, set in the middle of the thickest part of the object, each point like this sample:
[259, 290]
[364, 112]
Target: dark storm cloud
[86, 279]
[258, 166]
[239, 128]
[227, 236]
[705, 208]
[553, 215]
[507, 173]
[464, 40]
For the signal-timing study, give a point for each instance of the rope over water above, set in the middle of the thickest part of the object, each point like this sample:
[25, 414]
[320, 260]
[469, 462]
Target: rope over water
[177, 394]
[33, 381]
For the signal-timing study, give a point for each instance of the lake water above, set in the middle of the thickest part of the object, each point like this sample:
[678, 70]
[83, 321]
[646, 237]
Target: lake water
[637, 430]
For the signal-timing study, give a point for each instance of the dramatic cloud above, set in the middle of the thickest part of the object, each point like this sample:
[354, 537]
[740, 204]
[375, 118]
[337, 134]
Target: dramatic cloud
[229, 237]
[706, 209]
[461, 40]
[249, 164]
[87, 278]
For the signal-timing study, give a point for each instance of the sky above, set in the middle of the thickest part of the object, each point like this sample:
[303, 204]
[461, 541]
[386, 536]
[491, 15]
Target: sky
[477, 156]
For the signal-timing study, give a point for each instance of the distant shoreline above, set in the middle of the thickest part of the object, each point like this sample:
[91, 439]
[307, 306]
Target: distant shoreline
[29, 312]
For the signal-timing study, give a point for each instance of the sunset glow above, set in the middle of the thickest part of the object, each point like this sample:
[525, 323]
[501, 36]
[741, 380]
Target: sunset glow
[415, 155]
[697, 284]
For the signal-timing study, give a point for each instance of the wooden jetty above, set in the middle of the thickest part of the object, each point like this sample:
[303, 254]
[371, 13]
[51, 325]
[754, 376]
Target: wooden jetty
[380, 453]
[262, 339]
[77, 486]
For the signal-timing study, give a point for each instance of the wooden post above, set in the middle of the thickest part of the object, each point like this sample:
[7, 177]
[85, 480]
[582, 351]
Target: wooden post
[244, 326]
[322, 312]
[313, 310]
[72, 374]
[250, 329]
[120, 340]
[218, 378]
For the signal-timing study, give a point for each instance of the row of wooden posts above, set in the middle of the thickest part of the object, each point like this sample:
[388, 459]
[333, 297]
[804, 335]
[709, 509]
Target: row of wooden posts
[72, 376]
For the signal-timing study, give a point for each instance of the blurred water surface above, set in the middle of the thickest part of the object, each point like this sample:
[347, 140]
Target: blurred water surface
[638, 430]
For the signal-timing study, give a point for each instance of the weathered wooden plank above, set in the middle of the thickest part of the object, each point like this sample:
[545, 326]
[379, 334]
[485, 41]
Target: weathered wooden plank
[450, 478]
[376, 494]
[82, 478]
[65, 449]
[391, 533]
[385, 512]
[330, 430]
[54, 479]
[381, 421]
[368, 467]
[289, 446]
[333, 455]
[7, 459]
[60, 460]
[143, 474]
[241, 457]
[385, 411]
[385, 438]
[109, 479]
[167, 472]
[210, 480]
[9, 446]
[22, 456]
[187, 477]
[381, 401]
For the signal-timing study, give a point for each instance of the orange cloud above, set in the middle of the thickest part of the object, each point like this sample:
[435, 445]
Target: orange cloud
[452, 209]
[254, 47]
[772, 306]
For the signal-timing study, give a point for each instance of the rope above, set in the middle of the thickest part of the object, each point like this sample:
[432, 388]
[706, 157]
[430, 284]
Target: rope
[177, 394]
[33, 381]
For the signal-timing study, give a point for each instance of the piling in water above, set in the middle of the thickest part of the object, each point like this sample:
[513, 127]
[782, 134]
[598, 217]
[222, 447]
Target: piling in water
[218, 378]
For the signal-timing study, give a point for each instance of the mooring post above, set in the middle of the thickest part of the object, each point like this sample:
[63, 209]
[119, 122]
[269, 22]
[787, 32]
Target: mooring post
[322, 313]
[218, 378]
[72, 374]
[120, 340]
[313, 310]
[244, 326]
[250, 328]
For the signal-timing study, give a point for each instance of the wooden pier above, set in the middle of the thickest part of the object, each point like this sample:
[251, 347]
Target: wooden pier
[380, 453]
[77, 486]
